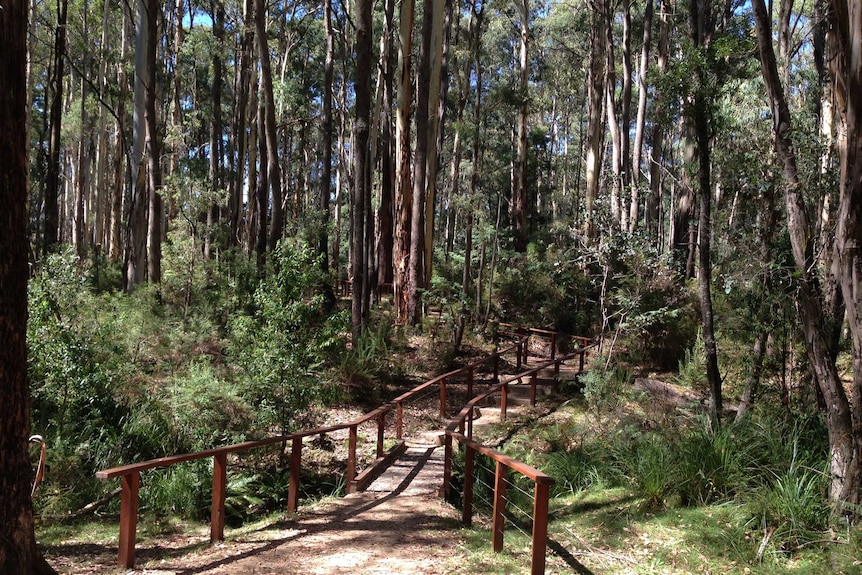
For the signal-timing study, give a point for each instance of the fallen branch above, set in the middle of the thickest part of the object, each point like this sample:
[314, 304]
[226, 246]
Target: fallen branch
[764, 543]
[86, 509]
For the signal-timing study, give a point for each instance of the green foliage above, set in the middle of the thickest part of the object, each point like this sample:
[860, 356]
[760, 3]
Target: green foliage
[76, 369]
[182, 489]
[370, 357]
[692, 368]
[792, 508]
[591, 466]
[709, 466]
[122, 377]
[606, 388]
[650, 467]
[208, 410]
[282, 339]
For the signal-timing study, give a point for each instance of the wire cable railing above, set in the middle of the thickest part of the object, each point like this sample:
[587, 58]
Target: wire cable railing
[460, 429]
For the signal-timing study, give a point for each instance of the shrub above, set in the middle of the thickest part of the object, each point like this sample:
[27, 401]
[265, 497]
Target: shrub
[710, 466]
[282, 339]
[606, 388]
[651, 469]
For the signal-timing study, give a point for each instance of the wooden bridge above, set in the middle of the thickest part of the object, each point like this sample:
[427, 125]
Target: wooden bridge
[407, 464]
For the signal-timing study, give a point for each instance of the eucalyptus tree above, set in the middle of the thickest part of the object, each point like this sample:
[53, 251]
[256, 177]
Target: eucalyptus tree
[361, 189]
[403, 175]
[519, 185]
[269, 127]
[18, 551]
[818, 312]
[51, 233]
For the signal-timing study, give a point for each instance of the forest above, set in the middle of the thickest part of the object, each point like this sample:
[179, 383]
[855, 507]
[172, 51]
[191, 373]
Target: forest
[227, 217]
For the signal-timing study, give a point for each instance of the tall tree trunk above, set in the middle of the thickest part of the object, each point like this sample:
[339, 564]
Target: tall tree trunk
[136, 232]
[595, 97]
[437, 87]
[117, 188]
[626, 168]
[154, 166]
[273, 168]
[216, 141]
[361, 189]
[385, 213]
[476, 20]
[51, 235]
[519, 201]
[704, 270]
[102, 189]
[702, 27]
[403, 185]
[847, 74]
[261, 190]
[240, 126]
[18, 551]
[640, 124]
[653, 210]
[82, 173]
[327, 135]
[416, 267]
[843, 427]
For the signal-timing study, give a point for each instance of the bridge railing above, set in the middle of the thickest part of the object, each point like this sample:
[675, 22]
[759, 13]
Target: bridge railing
[130, 475]
[442, 382]
[460, 429]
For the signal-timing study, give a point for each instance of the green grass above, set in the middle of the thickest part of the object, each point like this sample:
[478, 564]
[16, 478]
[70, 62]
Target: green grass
[675, 501]
[609, 533]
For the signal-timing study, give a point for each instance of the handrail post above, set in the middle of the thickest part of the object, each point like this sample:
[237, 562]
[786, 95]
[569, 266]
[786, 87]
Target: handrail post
[295, 469]
[526, 349]
[520, 352]
[219, 494]
[351, 461]
[381, 423]
[554, 345]
[498, 523]
[496, 368]
[540, 528]
[447, 466]
[504, 400]
[469, 467]
[399, 419]
[583, 352]
[131, 483]
[470, 422]
[534, 378]
[443, 398]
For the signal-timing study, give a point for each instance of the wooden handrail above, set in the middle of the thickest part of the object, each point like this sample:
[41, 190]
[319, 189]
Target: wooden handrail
[442, 379]
[131, 474]
[463, 422]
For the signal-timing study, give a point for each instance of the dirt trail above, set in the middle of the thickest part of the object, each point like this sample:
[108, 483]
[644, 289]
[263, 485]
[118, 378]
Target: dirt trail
[398, 525]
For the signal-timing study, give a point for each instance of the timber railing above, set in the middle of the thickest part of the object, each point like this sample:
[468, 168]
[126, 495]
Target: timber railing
[130, 475]
[460, 429]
